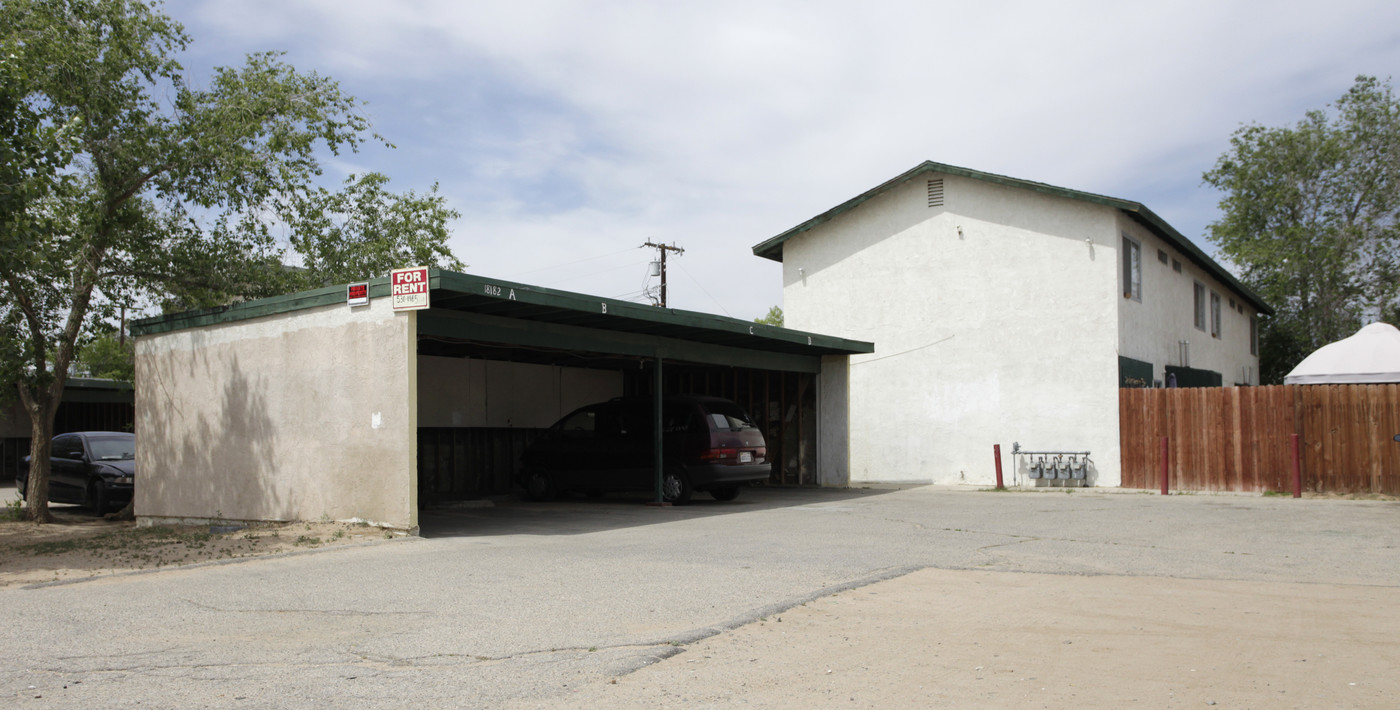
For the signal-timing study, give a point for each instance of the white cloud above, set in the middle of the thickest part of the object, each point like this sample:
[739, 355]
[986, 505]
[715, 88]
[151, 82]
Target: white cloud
[565, 130]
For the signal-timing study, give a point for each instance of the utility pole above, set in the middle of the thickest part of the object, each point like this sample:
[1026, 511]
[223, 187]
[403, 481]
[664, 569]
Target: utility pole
[663, 248]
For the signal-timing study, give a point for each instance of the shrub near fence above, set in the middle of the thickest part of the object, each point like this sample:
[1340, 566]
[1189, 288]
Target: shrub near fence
[1237, 438]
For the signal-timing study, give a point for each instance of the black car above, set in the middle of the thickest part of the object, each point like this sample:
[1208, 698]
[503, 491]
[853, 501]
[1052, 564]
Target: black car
[708, 444]
[92, 468]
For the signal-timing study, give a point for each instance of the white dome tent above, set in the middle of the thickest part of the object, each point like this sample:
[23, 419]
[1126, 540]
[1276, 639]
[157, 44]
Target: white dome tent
[1371, 356]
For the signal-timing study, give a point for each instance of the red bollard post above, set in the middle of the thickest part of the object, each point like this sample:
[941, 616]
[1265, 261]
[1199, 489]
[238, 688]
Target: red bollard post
[1297, 468]
[1164, 465]
[996, 453]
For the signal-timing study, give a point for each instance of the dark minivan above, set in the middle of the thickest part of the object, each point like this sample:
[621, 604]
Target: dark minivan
[709, 444]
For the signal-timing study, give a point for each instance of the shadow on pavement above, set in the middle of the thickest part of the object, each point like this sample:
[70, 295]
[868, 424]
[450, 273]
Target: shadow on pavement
[509, 515]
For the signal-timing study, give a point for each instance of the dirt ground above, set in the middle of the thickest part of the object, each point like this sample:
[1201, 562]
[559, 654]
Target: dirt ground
[80, 545]
[949, 638]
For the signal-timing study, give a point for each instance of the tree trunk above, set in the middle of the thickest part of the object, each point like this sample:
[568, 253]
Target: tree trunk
[41, 406]
[128, 512]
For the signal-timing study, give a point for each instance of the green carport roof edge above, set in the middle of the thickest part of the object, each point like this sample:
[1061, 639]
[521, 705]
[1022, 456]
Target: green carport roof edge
[456, 291]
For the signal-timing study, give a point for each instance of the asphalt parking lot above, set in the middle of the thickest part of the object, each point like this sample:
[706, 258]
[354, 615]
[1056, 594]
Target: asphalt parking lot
[526, 601]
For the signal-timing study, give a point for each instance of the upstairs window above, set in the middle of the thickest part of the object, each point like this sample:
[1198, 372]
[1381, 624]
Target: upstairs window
[1214, 314]
[1200, 292]
[1253, 336]
[1132, 269]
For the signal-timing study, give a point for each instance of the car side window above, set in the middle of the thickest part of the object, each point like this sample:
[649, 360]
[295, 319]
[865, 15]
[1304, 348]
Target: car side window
[675, 418]
[580, 423]
[634, 419]
[68, 447]
[608, 423]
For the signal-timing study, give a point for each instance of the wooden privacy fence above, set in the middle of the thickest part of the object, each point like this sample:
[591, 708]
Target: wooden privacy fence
[1237, 438]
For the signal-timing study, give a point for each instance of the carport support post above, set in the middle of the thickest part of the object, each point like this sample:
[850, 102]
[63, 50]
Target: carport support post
[656, 432]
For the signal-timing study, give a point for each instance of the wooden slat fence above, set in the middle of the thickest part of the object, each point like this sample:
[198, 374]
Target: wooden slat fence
[1237, 438]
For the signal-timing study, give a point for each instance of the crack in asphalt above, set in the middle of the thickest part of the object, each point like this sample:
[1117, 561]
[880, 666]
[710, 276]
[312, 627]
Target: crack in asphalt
[322, 612]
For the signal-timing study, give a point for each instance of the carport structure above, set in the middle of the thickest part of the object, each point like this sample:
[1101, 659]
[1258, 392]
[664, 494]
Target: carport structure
[303, 407]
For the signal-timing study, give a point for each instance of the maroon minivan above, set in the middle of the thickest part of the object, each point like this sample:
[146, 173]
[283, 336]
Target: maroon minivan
[708, 444]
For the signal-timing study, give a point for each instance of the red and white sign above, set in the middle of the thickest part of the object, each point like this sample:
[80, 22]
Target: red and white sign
[409, 288]
[357, 294]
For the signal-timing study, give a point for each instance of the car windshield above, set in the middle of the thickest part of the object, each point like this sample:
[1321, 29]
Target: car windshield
[727, 415]
[113, 448]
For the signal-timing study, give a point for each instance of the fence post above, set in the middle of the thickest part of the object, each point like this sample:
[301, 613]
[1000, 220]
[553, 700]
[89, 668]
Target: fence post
[1297, 467]
[996, 453]
[1164, 465]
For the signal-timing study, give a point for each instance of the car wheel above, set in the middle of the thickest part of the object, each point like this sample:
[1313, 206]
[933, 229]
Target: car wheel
[537, 486]
[725, 492]
[97, 498]
[675, 487]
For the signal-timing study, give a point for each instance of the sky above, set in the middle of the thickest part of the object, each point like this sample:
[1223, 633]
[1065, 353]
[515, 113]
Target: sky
[569, 133]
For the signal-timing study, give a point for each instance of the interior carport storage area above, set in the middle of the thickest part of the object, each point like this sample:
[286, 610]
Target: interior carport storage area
[498, 363]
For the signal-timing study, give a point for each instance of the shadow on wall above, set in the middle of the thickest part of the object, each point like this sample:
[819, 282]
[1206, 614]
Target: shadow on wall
[206, 457]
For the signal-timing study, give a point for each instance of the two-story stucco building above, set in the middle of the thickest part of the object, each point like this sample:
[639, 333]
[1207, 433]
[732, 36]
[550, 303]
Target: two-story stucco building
[1004, 311]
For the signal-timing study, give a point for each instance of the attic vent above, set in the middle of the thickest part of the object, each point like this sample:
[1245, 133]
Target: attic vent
[935, 193]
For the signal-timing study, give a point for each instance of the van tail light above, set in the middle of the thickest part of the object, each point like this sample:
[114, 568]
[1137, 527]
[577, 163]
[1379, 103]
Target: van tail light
[719, 455]
[733, 455]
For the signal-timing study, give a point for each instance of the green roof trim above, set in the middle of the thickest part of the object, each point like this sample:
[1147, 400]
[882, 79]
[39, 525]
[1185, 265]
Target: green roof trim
[539, 303]
[98, 383]
[773, 248]
[451, 291]
[243, 310]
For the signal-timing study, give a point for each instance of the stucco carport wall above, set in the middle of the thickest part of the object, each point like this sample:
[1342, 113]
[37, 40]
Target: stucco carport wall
[996, 321]
[297, 416]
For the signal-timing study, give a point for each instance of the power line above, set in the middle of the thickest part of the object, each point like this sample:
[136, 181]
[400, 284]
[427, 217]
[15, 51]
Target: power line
[706, 292]
[663, 248]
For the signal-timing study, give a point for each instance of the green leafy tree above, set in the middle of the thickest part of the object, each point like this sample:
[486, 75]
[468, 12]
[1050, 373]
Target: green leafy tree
[107, 356]
[364, 230]
[774, 317]
[121, 182]
[1310, 216]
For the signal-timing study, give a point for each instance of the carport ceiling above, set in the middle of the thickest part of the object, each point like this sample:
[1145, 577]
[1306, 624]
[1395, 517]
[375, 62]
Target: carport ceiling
[453, 347]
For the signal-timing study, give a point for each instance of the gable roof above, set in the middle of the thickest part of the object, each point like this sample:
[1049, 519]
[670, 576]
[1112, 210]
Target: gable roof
[773, 248]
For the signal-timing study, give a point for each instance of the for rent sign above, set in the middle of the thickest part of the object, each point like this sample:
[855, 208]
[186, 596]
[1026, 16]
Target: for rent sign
[409, 288]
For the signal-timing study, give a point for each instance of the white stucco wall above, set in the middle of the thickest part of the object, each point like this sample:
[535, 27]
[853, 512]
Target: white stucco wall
[994, 321]
[288, 417]
[833, 422]
[1150, 330]
[459, 392]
